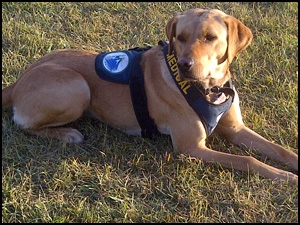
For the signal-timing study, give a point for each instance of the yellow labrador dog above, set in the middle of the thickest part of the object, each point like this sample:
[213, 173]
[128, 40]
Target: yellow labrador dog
[62, 85]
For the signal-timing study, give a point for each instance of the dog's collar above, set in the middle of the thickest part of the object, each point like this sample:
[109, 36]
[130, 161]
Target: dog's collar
[209, 113]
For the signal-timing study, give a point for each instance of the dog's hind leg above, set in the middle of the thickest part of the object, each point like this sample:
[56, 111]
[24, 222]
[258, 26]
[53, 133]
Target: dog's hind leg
[49, 96]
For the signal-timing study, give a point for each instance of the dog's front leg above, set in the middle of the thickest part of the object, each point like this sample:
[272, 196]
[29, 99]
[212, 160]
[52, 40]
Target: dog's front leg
[233, 128]
[243, 163]
[189, 136]
[248, 138]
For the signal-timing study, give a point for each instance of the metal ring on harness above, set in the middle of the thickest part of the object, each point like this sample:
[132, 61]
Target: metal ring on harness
[217, 89]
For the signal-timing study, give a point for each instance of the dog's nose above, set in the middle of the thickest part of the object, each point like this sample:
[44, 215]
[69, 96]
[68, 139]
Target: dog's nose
[185, 63]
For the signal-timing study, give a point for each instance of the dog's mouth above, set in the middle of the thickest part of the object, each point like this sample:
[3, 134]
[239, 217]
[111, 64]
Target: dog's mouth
[216, 98]
[211, 95]
[210, 88]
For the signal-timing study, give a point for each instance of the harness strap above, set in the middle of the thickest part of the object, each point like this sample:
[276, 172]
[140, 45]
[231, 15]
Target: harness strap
[208, 113]
[139, 99]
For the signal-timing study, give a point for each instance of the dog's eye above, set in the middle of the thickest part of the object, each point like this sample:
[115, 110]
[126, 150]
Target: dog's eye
[181, 39]
[209, 37]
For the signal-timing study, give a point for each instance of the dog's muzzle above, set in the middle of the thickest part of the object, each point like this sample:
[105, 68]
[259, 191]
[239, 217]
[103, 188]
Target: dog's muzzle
[185, 63]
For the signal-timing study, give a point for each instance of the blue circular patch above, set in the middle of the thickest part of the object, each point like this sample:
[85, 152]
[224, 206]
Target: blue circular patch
[115, 62]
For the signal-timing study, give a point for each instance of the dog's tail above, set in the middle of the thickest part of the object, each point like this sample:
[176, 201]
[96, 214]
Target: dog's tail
[7, 95]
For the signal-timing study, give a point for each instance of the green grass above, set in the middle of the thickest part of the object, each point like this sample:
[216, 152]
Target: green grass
[113, 177]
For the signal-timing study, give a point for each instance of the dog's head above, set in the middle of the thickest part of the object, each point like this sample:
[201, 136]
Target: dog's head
[206, 41]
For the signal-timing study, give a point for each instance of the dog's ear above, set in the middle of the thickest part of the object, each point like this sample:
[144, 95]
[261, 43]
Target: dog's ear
[239, 36]
[171, 31]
